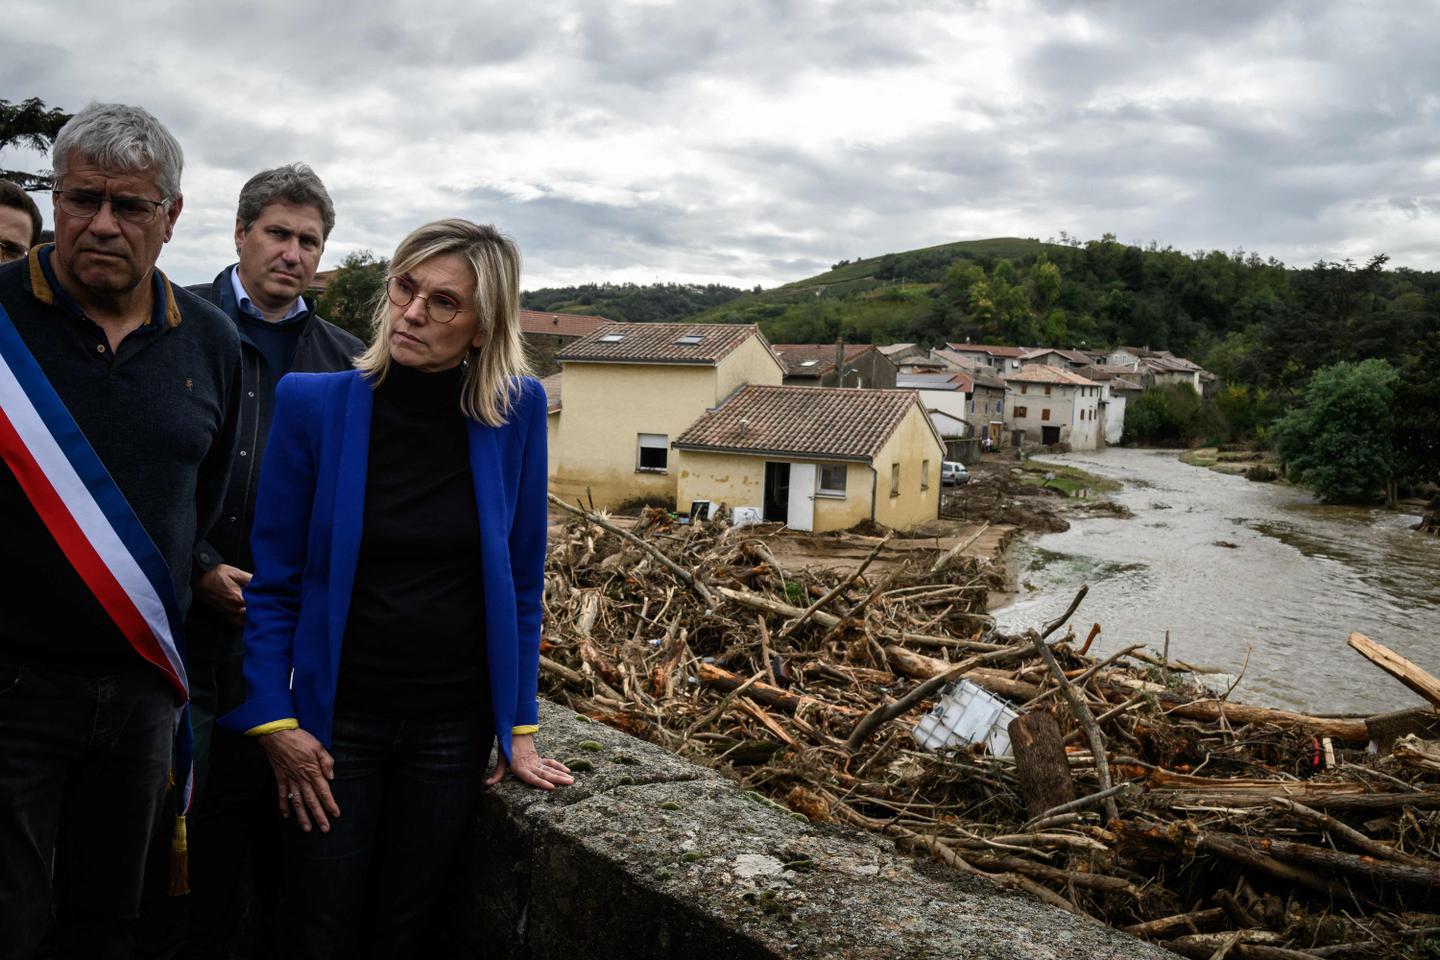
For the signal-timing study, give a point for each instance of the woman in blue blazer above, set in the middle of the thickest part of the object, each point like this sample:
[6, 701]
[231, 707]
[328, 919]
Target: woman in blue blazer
[393, 622]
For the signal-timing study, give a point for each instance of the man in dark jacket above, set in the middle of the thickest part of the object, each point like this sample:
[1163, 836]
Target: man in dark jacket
[284, 218]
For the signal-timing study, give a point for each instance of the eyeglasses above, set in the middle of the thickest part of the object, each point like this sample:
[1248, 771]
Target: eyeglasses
[10, 250]
[440, 307]
[83, 205]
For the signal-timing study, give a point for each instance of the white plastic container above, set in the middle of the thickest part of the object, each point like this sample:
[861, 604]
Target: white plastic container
[966, 713]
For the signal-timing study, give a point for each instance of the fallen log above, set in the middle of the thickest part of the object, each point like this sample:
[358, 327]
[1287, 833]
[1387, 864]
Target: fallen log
[1408, 673]
[721, 679]
[921, 667]
[1352, 730]
[1386, 870]
[1179, 921]
[1243, 853]
[1346, 832]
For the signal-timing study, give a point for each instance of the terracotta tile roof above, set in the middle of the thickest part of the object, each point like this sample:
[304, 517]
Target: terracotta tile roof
[1039, 373]
[826, 422]
[559, 324]
[890, 349]
[815, 359]
[661, 343]
[1100, 371]
[552, 385]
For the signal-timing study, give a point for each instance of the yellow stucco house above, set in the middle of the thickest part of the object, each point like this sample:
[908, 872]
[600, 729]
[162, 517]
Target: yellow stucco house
[816, 458]
[630, 389]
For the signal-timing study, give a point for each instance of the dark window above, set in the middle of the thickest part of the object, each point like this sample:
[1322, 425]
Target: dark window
[654, 452]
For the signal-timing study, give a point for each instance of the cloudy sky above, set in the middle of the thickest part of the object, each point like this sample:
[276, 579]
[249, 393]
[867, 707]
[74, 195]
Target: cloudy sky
[751, 143]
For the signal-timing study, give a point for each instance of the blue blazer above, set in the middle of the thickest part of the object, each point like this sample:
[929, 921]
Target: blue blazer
[306, 538]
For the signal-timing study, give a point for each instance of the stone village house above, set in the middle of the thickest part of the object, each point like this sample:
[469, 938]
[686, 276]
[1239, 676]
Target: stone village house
[685, 412]
[813, 365]
[1054, 405]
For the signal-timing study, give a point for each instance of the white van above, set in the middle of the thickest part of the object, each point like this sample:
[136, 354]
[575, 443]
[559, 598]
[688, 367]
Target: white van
[953, 473]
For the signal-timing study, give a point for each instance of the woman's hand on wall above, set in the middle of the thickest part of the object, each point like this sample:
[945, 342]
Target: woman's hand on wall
[529, 766]
[303, 770]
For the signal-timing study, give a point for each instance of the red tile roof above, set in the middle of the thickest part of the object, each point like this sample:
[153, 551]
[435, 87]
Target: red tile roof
[824, 422]
[661, 343]
[559, 324]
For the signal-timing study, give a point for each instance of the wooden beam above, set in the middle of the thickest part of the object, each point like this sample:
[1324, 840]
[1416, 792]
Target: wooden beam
[1418, 680]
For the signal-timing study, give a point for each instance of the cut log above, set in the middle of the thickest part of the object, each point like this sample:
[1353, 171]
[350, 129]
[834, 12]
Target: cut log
[1417, 679]
[921, 667]
[1040, 763]
[713, 676]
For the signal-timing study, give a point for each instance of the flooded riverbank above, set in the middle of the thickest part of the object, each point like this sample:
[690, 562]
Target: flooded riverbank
[1223, 563]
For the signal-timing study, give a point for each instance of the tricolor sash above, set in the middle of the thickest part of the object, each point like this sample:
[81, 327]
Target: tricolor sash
[92, 522]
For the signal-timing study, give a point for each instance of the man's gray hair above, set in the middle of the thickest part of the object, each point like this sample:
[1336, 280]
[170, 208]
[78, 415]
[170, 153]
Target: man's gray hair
[293, 183]
[120, 137]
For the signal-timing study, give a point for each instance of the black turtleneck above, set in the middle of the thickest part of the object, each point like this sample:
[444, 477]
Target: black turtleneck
[415, 638]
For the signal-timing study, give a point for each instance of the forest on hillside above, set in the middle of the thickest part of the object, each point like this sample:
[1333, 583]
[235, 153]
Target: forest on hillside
[631, 302]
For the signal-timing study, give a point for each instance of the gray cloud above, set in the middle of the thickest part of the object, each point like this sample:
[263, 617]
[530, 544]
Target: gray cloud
[760, 142]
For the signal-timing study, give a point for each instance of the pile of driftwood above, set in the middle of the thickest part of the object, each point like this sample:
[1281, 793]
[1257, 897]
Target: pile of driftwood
[1136, 794]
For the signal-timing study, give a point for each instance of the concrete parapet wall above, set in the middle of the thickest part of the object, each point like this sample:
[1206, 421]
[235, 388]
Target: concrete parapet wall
[650, 856]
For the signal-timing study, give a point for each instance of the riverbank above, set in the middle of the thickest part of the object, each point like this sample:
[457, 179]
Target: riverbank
[1260, 465]
[800, 684]
[1253, 578]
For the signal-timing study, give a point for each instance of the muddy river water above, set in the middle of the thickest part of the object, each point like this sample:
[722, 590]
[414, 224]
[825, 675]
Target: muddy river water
[1298, 578]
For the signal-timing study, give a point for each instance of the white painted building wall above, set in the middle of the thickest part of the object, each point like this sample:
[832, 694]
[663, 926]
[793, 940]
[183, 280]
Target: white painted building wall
[1075, 410]
[1114, 415]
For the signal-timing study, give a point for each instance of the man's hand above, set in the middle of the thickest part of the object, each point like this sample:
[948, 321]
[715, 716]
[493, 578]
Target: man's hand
[303, 770]
[221, 587]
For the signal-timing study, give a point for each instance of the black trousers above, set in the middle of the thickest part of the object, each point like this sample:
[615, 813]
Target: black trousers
[407, 792]
[86, 758]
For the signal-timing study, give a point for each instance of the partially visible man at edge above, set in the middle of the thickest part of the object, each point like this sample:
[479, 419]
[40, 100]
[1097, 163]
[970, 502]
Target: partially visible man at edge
[95, 576]
[20, 223]
[282, 222]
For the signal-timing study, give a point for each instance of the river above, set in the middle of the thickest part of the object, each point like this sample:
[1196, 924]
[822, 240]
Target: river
[1298, 579]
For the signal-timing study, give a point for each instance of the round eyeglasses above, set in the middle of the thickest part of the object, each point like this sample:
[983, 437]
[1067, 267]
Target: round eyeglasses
[83, 205]
[440, 307]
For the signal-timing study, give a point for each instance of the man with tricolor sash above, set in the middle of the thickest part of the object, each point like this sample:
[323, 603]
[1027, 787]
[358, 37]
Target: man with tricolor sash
[118, 394]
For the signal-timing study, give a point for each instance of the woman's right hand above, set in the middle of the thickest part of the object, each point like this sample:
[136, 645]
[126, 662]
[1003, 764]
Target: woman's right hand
[303, 770]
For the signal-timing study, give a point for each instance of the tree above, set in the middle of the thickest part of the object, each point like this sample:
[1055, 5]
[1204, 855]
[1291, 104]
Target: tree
[351, 295]
[29, 124]
[1340, 441]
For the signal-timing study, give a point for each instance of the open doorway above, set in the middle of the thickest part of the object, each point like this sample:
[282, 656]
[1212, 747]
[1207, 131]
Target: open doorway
[777, 492]
[1049, 435]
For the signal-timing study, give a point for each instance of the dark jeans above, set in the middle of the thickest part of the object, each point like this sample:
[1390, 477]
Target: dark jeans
[407, 791]
[86, 759]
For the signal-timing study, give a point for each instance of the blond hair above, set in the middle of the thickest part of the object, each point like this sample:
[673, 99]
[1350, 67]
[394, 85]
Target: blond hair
[492, 371]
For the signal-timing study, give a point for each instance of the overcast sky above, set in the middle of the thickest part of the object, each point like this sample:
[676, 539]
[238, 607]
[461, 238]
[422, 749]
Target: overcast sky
[761, 142]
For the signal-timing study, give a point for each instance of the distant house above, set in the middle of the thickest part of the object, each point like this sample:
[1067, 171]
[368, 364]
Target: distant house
[1002, 359]
[545, 333]
[1068, 359]
[974, 395]
[632, 388]
[1052, 405]
[813, 365]
[1161, 368]
[815, 458]
[900, 352]
[1121, 388]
